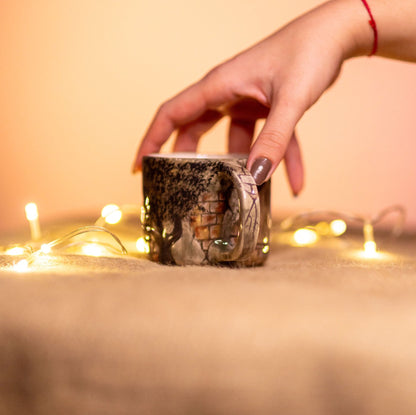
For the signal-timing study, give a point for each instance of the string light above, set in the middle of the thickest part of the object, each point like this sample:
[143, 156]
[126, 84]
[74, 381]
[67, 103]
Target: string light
[370, 249]
[32, 216]
[338, 227]
[46, 249]
[98, 247]
[15, 251]
[323, 228]
[93, 249]
[21, 266]
[87, 229]
[142, 245]
[304, 236]
[304, 231]
[111, 214]
[309, 235]
[87, 248]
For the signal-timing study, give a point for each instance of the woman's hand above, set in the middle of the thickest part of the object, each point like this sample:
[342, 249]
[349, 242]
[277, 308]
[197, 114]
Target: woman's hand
[277, 79]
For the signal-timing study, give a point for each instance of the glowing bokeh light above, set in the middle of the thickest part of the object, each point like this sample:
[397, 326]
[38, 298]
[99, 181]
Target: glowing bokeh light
[338, 227]
[304, 236]
[111, 214]
[92, 249]
[322, 228]
[46, 249]
[370, 249]
[16, 250]
[142, 246]
[31, 211]
[21, 266]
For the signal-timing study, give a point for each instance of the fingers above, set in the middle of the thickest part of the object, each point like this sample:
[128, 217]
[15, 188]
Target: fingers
[247, 108]
[189, 135]
[211, 92]
[294, 165]
[272, 142]
[244, 114]
[240, 135]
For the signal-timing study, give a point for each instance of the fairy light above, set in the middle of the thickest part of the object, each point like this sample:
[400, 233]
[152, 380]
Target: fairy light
[298, 231]
[46, 249]
[304, 236]
[323, 228]
[21, 266]
[32, 216]
[338, 227]
[142, 246]
[370, 247]
[92, 249]
[15, 250]
[112, 214]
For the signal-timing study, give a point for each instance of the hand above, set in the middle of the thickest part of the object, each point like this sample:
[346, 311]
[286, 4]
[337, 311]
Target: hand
[277, 79]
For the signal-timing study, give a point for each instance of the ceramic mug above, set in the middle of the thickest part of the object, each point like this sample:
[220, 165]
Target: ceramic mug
[202, 210]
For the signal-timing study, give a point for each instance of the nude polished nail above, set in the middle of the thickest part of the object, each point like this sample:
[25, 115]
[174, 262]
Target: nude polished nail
[260, 170]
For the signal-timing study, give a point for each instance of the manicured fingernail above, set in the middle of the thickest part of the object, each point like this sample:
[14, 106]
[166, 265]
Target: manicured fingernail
[260, 170]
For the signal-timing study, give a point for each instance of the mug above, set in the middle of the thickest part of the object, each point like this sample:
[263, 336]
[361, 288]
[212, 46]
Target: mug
[204, 209]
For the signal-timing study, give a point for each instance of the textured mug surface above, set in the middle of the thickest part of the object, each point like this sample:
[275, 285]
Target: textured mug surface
[201, 210]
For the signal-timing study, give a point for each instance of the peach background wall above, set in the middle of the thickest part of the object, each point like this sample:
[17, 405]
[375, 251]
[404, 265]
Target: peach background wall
[81, 79]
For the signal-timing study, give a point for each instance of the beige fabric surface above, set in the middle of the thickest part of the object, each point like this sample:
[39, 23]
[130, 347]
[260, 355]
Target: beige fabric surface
[314, 331]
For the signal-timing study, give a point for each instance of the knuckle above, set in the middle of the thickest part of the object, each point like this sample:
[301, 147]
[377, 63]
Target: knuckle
[213, 74]
[218, 77]
[293, 99]
[166, 113]
[163, 109]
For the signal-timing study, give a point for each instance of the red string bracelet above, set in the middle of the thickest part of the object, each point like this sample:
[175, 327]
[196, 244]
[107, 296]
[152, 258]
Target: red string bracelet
[373, 25]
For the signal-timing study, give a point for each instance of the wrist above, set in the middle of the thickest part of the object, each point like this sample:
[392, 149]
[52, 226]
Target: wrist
[356, 35]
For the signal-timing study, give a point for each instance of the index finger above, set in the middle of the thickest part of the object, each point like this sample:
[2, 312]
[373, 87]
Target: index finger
[187, 106]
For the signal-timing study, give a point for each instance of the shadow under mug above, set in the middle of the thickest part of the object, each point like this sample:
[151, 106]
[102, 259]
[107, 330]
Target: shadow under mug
[201, 210]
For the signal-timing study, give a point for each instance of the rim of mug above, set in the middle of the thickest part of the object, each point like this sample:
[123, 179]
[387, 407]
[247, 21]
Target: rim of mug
[197, 156]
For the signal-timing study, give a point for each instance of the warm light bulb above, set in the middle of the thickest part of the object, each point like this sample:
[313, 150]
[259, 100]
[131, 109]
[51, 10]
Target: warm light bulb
[21, 266]
[305, 236]
[46, 249]
[111, 214]
[16, 250]
[92, 250]
[142, 246]
[338, 227]
[32, 216]
[322, 228]
[370, 249]
[31, 211]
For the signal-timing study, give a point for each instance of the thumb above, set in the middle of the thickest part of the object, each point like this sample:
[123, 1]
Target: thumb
[270, 147]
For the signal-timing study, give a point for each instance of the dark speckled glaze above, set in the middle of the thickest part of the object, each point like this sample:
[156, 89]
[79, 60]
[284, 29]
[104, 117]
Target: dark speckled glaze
[204, 210]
